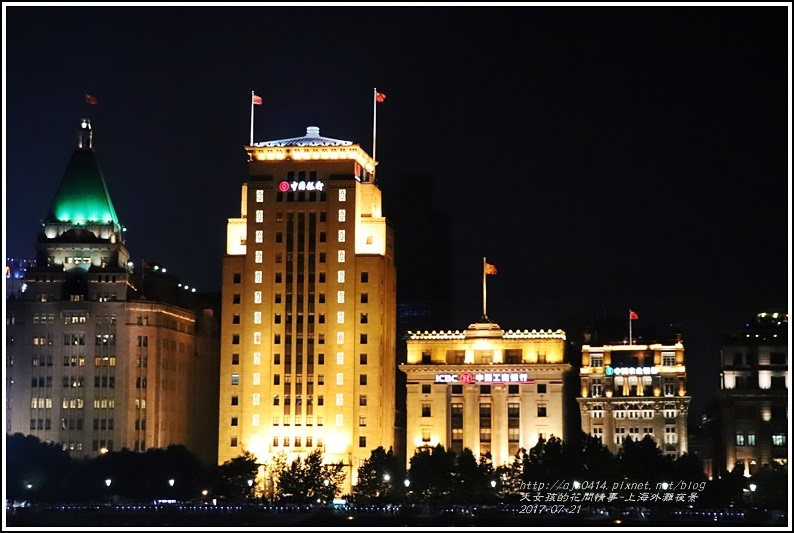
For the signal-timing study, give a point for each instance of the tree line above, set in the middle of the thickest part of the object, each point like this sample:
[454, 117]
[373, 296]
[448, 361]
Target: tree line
[44, 472]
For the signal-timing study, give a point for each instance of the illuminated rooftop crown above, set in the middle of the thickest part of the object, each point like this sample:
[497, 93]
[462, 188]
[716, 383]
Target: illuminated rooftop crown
[312, 138]
[83, 196]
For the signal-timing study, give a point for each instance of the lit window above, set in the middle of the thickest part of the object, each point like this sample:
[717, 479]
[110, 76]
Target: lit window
[256, 378]
[260, 215]
[257, 358]
[257, 297]
[258, 276]
[340, 235]
[258, 256]
[340, 399]
[257, 337]
[257, 317]
[340, 380]
[235, 379]
[259, 236]
[340, 256]
[340, 317]
[340, 297]
[342, 195]
[342, 215]
[340, 421]
[340, 358]
[255, 419]
[340, 276]
[255, 398]
[340, 337]
[260, 195]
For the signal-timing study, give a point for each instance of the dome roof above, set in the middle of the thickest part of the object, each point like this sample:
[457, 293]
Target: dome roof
[83, 197]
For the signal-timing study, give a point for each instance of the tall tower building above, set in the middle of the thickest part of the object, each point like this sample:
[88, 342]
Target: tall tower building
[97, 358]
[309, 308]
[634, 390]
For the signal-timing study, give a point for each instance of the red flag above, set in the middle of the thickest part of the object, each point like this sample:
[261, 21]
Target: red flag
[90, 100]
[490, 269]
[633, 315]
[257, 100]
[379, 96]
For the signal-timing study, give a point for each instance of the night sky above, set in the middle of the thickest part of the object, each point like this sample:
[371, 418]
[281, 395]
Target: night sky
[603, 158]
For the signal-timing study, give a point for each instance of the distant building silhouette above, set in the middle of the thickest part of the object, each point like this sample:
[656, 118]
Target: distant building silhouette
[749, 427]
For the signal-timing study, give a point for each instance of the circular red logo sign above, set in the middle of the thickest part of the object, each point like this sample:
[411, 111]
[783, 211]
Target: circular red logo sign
[283, 186]
[466, 378]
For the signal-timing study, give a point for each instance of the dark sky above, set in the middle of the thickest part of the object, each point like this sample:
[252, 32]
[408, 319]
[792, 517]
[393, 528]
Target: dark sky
[603, 158]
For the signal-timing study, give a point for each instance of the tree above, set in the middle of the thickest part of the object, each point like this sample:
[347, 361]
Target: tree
[35, 470]
[431, 474]
[472, 483]
[643, 460]
[238, 476]
[549, 460]
[381, 477]
[307, 479]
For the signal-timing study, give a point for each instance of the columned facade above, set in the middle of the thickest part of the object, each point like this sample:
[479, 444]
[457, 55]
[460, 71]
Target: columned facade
[485, 389]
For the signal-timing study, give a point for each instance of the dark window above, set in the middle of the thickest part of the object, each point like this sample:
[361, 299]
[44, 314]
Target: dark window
[541, 388]
[457, 389]
[426, 389]
[362, 359]
[235, 358]
[485, 389]
[235, 400]
[236, 299]
[362, 442]
[363, 338]
[364, 277]
[362, 379]
[238, 278]
[364, 297]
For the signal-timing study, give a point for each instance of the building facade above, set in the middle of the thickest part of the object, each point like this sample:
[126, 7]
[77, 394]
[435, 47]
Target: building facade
[753, 399]
[485, 389]
[97, 359]
[634, 390]
[309, 308]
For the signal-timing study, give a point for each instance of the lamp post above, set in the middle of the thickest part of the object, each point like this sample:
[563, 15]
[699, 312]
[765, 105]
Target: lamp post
[752, 495]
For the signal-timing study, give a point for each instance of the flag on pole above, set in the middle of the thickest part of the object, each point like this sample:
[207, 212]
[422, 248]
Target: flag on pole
[257, 100]
[490, 269]
[380, 97]
[633, 315]
[90, 99]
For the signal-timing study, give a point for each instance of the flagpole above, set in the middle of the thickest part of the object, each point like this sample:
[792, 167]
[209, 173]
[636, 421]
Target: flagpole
[252, 119]
[484, 314]
[374, 125]
[630, 327]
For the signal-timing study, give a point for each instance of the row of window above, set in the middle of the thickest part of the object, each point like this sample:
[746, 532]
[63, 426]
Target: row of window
[485, 389]
[257, 398]
[72, 360]
[340, 338]
[749, 439]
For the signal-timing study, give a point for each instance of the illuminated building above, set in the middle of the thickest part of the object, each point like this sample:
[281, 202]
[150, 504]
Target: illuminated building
[634, 390]
[484, 389]
[753, 399]
[97, 358]
[309, 308]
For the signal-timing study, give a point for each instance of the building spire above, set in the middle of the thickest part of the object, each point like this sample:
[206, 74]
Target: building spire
[85, 135]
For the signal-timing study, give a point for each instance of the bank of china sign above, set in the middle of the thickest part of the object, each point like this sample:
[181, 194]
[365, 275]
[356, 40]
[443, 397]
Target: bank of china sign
[484, 377]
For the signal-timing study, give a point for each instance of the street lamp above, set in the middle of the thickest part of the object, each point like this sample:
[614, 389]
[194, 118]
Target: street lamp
[171, 482]
[407, 483]
[386, 477]
[493, 484]
[752, 494]
[108, 481]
